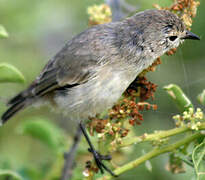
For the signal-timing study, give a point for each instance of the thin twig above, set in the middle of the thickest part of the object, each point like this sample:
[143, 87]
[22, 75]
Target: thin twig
[117, 13]
[70, 156]
[118, 6]
[158, 135]
[153, 153]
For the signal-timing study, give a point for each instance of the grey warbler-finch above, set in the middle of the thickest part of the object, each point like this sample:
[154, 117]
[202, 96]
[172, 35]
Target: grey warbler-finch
[95, 67]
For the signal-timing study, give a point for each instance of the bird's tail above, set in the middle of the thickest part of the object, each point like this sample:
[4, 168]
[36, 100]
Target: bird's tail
[16, 104]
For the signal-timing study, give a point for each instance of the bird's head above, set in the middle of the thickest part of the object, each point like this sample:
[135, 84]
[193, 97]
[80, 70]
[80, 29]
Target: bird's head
[159, 30]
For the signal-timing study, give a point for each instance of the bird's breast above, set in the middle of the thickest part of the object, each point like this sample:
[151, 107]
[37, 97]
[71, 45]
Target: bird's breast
[100, 93]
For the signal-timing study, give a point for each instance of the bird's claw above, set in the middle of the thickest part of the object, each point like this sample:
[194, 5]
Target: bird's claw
[98, 160]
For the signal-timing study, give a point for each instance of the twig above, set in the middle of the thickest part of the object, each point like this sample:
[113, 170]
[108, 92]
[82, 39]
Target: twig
[117, 13]
[70, 156]
[158, 135]
[155, 152]
[118, 6]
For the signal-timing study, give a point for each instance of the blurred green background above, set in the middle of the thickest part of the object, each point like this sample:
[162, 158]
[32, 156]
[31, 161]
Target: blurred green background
[38, 29]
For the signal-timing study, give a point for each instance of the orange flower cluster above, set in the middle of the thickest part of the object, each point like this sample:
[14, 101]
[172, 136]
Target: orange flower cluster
[107, 126]
[128, 108]
[147, 89]
[171, 52]
[96, 124]
[152, 67]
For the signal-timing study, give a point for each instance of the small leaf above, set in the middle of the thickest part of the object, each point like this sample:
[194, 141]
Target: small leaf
[3, 32]
[9, 73]
[201, 97]
[198, 157]
[181, 100]
[8, 174]
[45, 131]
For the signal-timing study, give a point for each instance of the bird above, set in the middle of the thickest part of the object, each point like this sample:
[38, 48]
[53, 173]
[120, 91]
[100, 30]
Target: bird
[91, 72]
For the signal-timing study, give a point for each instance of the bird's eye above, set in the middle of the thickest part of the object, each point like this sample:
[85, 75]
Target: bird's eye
[172, 38]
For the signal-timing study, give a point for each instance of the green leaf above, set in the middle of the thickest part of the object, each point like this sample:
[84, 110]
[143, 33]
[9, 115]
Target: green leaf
[201, 97]
[45, 131]
[9, 73]
[3, 32]
[198, 158]
[179, 97]
[8, 174]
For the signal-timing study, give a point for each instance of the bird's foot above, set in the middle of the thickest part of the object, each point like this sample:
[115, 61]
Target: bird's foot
[98, 160]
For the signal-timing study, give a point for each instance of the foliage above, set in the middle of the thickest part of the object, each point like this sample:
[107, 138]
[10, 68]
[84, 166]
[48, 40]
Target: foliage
[198, 157]
[7, 174]
[9, 73]
[181, 100]
[46, 132]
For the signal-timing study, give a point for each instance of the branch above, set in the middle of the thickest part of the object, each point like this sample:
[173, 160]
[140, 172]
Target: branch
[158, 135]
[155, 152]
[70, 156]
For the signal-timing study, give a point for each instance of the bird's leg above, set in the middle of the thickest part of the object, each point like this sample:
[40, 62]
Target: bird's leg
[97, 156]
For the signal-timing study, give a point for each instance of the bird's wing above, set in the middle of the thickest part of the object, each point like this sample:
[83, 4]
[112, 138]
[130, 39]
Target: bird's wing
[73, 65]
[66, 69]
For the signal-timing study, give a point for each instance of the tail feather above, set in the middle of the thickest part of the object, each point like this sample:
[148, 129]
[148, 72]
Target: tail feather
[11, 111]
[16, 99]
[16, 104]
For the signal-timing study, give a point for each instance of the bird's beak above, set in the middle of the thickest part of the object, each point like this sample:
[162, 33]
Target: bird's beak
[190, 35]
